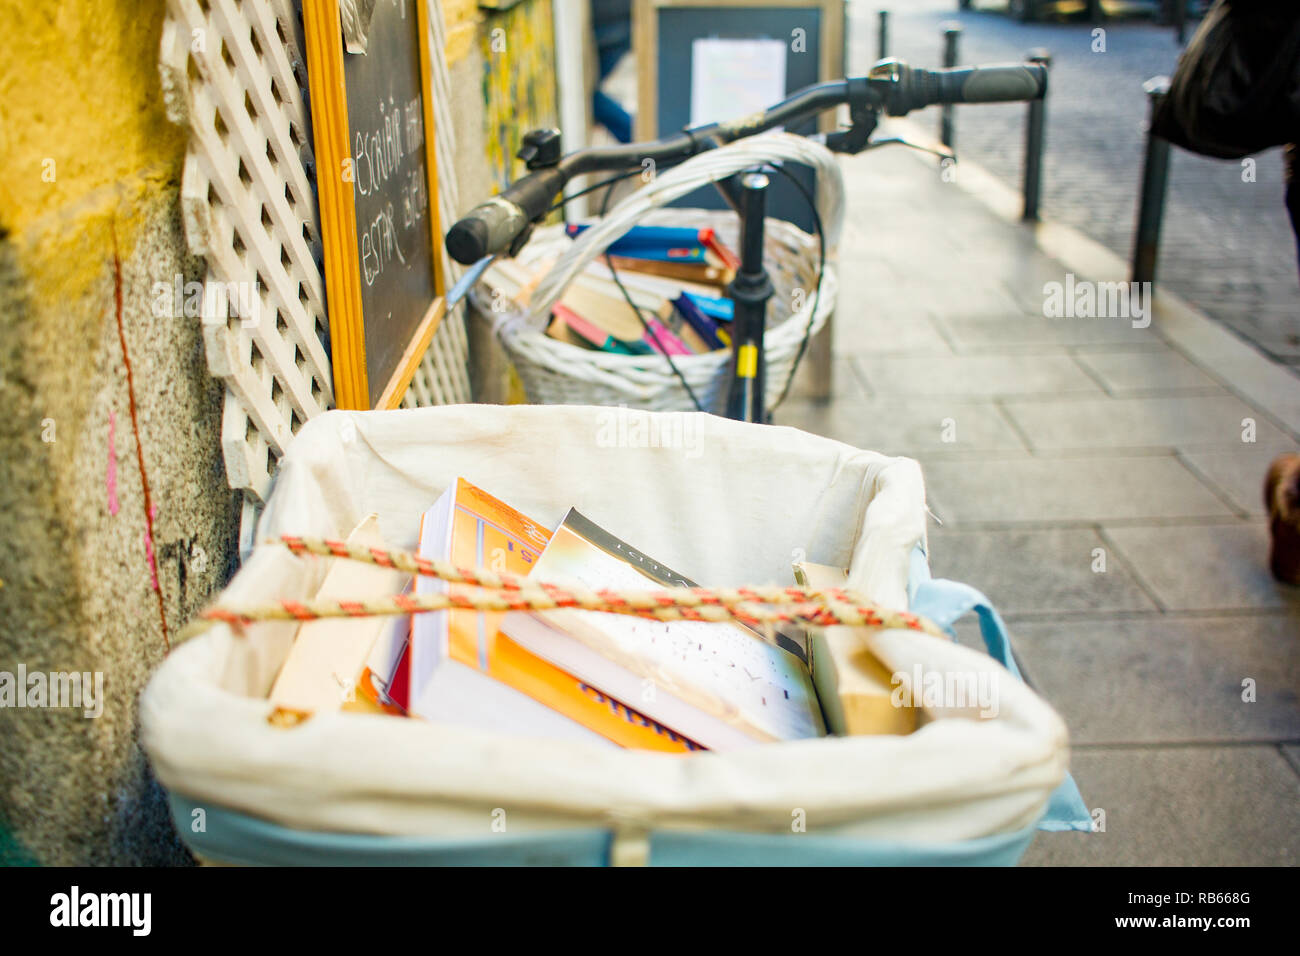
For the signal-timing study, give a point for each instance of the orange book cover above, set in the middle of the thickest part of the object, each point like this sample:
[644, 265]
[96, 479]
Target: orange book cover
[487, 533]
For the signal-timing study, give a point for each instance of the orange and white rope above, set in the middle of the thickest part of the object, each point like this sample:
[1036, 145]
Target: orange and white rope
[498, 591]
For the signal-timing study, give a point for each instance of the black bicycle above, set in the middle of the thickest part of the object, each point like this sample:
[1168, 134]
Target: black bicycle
[503, 224]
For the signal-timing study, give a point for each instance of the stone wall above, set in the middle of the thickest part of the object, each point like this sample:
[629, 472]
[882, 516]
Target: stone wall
[92, 176]
[90, 193]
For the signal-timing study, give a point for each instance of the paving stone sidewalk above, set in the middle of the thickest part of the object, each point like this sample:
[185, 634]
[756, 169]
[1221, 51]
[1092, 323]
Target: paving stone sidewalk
[1093, 480]
[1227, 246]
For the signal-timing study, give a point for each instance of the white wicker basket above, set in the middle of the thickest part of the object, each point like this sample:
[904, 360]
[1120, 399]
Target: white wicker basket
[556, 373]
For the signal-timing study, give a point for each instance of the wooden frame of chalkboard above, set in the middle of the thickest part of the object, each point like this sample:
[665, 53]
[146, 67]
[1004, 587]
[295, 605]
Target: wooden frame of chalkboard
[384, 283]
[645, 45]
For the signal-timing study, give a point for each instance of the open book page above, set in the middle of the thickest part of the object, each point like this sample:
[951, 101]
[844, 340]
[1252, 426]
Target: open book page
[725, 670]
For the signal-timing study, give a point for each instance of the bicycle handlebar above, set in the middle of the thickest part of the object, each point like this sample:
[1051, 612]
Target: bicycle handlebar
[499, 224]
[980, 84]
[493, 226]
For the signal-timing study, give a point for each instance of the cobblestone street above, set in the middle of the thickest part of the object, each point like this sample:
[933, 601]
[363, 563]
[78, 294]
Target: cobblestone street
[1227, 245]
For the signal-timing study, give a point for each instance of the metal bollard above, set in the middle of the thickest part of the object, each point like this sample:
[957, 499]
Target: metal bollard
[1035, 133]
[884, 34]
[1180, 21]
[1155, 180]
[947, 128]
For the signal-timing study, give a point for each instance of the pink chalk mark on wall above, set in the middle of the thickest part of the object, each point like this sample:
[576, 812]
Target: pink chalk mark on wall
[110, 480]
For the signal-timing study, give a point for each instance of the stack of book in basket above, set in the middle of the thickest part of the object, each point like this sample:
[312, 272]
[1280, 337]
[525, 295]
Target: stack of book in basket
[659, 290]
[615, 680]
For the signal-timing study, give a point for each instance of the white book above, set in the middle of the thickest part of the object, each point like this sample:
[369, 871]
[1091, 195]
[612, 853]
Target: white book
[721, 685]
[444, 687]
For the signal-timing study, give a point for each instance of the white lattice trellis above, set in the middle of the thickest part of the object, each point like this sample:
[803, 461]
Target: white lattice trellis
[234, 72]
[443, 376]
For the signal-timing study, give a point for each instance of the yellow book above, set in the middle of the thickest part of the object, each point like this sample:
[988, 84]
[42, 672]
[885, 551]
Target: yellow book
[855, 688]
[464, 670]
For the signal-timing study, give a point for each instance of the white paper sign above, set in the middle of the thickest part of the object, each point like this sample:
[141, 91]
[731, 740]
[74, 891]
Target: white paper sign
[734, 78]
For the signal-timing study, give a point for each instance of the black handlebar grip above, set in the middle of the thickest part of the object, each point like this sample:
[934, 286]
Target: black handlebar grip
[493, 226]
[985, 84]
[488, 228]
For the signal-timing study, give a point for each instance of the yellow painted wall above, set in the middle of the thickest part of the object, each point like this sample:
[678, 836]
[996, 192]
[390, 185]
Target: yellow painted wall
[82, 128]
[519, 85]
[75, 89]
[462, 18]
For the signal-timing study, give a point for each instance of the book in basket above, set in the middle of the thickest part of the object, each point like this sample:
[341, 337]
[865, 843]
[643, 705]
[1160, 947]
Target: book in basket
[722, 685]
[463, 670]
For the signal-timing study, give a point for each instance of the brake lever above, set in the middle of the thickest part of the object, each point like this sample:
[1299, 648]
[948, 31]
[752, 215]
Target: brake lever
[467, 281]
[899, 141]
[521, 240]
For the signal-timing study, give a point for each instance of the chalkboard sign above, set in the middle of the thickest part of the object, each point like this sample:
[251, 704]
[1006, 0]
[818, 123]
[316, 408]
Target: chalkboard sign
[372, 120]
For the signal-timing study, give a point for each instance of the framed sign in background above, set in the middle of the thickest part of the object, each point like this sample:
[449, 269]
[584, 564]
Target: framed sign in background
[376, 181]
[702, 61]
[520, 67]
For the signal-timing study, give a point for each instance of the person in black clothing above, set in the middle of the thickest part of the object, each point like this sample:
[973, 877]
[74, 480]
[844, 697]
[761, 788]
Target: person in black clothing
[1237, 88]
[1237, 92]
[1291, 155]
[1270, 47]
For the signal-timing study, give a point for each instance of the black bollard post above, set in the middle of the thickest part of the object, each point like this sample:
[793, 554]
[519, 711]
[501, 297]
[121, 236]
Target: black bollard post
[1035, 134]
[1155, 180]
[947, 116]
[1180, 21]
[884, 34]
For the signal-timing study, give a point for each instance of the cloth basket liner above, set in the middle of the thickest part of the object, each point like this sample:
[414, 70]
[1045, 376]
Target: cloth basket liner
[724, 502]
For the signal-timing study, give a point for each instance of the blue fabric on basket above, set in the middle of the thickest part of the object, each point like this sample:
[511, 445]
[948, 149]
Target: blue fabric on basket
[232, 837]
[944, 602]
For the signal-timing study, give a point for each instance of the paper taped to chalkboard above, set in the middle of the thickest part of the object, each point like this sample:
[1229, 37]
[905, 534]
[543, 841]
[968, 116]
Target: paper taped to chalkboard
[731, 78]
